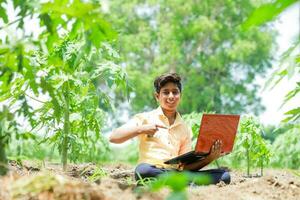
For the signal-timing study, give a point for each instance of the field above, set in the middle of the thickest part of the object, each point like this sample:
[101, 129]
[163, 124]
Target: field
[31, 181]
[73, 71]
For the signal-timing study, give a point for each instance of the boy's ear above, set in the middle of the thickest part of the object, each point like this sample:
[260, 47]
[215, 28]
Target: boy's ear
[156, 95]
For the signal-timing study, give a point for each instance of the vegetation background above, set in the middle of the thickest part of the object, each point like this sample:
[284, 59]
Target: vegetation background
[86, 63]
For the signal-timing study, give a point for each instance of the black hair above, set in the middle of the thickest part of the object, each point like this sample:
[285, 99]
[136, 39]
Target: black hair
[163, 79]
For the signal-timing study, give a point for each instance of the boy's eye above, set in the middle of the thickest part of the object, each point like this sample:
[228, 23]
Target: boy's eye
[173, 92]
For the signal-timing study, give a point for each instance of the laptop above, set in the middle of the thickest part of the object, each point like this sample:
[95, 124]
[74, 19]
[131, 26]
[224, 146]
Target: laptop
[213, 127]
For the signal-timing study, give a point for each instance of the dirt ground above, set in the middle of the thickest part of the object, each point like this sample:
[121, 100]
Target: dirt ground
[31, 181]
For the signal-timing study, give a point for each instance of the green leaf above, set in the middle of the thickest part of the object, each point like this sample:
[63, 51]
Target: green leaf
[293, 111]
[290, 95]
[4, 50]
[28, 135]
[267, 12]
[76, 9]
[3, 14]
[46, 19]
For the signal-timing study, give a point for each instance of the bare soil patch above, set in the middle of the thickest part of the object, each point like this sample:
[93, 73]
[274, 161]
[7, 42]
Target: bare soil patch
[31, 181]
[275, 184]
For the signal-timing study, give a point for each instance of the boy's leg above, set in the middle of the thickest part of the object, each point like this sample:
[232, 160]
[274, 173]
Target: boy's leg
[145, 170]
[216, 175]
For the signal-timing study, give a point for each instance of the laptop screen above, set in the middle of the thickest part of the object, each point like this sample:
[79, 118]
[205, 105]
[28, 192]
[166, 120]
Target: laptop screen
[217, 127]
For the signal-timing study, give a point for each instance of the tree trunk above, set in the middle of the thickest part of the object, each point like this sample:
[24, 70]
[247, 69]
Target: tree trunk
[3, 160]
[66, 128]
[248, 162]
[261, 166]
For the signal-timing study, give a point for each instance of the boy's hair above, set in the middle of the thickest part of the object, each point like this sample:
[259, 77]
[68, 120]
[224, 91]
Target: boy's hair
[163, 79]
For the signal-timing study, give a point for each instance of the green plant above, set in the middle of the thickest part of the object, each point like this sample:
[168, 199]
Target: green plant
[8, 127]
[193, 120]
[286, 147]
[255, 148]
[267, 12]
[177, 182]
[288, 68]
[145, 182]
[202, 41]
[127, 154]
[98, 173]
[289, 60]
[59, 84]
[32, 149]
[130, 181]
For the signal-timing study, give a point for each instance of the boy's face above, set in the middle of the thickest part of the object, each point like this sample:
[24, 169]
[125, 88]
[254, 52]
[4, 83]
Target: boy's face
[169, 96]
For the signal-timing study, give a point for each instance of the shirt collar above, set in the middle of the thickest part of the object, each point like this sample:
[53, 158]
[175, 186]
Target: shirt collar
[178, 119]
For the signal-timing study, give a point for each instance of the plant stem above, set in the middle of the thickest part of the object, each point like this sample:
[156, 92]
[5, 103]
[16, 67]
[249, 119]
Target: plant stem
[33, 98]
[66, 127]
[13, 22]
[217, 163]
[3, 160]
[248, 161]
[261, 166]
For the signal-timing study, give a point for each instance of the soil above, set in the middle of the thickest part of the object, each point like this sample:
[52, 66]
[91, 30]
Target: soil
[31, 181]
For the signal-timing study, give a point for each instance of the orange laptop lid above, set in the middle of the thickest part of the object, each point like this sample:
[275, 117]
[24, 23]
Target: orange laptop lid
[217, 127]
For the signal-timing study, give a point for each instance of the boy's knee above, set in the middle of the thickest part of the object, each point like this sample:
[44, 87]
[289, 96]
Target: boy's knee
[225, 177]
[143, 170]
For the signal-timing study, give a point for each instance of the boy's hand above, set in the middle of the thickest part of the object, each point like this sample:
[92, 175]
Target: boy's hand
[215, 151]
[151, 129]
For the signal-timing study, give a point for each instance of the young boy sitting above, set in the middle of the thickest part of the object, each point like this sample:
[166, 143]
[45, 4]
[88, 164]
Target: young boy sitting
[162, 135]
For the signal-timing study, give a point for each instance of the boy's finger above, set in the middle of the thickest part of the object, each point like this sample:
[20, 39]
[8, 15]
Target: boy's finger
[160, 126]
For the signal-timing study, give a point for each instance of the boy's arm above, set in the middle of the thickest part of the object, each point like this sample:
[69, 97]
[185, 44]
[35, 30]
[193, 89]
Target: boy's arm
[214, 154]
[128, 131]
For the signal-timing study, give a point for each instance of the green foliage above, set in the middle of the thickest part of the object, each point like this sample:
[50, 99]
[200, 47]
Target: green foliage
[93, 150]
[203, 42]
[128, 154]
[193, 120]
[288, 68]
[8, 127]
[249, 143]
[177, 182]
[98, 173]
[267, 12]
[72, 56]
[289, 61]
[286, 148]
[144, 182]
[32, 149]
[255, 148]
[271, 132]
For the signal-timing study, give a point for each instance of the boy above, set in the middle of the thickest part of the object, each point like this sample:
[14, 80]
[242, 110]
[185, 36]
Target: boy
[163, 134]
